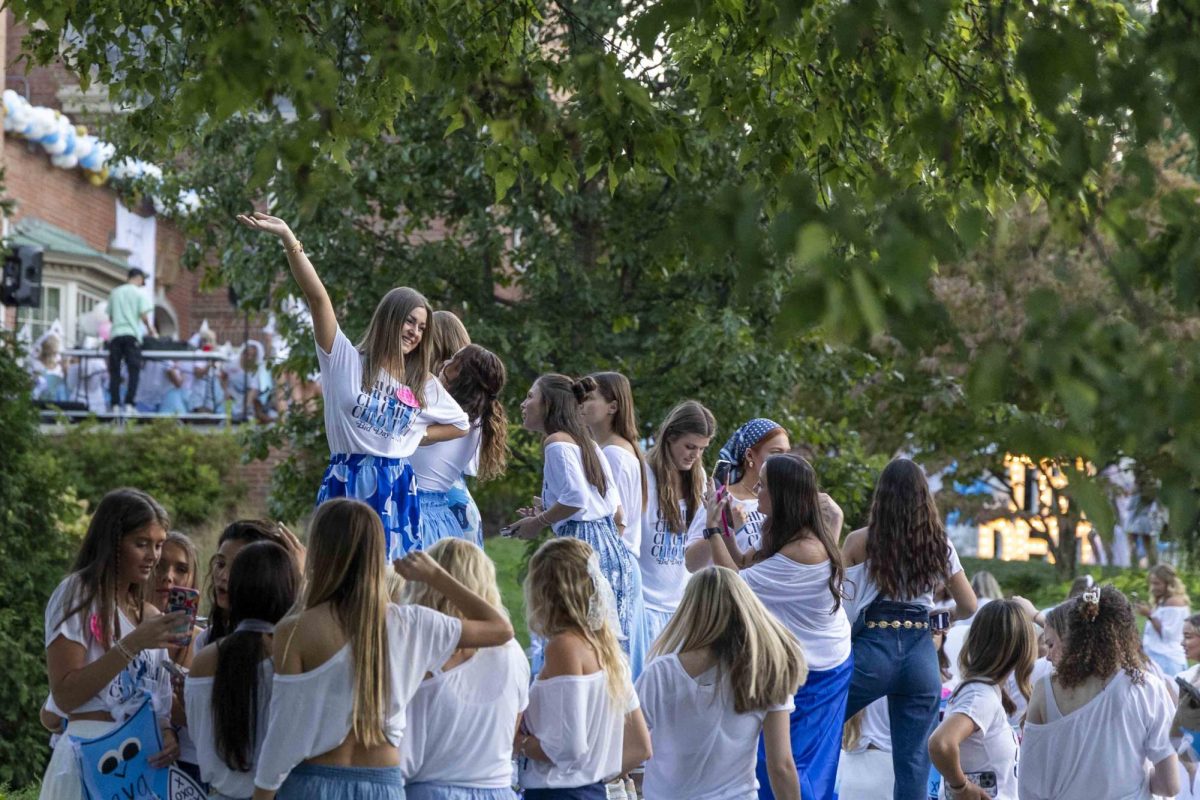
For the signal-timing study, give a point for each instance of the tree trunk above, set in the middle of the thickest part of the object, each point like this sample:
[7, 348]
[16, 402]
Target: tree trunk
[1064, 549]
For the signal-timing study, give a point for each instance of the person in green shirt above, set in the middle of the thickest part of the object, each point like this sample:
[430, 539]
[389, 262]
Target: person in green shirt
[128, 308]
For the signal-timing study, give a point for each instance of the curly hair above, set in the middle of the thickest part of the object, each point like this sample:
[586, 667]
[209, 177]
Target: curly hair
[906, 541]
[1101, 639]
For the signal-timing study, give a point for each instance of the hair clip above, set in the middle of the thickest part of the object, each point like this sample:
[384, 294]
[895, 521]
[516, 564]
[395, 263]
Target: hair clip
[1091, 602]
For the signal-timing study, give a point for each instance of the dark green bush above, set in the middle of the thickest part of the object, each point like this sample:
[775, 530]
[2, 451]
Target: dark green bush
[191, 471]
[40, 527]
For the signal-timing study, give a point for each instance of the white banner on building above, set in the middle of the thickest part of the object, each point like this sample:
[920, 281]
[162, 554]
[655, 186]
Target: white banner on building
[136, 234]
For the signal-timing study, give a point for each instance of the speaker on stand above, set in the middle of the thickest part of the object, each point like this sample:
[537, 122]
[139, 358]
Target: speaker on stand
[22, 282]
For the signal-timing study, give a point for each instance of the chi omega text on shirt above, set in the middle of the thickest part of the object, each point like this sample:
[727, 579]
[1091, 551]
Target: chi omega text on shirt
[382, 413]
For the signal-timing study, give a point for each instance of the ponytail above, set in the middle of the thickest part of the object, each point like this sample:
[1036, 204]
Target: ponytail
[476, 387]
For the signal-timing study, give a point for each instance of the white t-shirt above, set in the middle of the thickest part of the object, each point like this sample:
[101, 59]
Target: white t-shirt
[311, 713]
[1169, 643]
[564, 481]
[579, 727]
[627, 472]
[437, 466]
[749, 535]
[799, 597]
[664, 575]
[876, 728]
[1101, 749]
[861, 590]
[384, 421]
[197, 695]
[461, 722]
[989, 755]
[123, 694]
[703, 749]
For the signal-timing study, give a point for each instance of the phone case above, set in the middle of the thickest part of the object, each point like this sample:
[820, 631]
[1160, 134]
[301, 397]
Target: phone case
[180, 598]
[986, 781]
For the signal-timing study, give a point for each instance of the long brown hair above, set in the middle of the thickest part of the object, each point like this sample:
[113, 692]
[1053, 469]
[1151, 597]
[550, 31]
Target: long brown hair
[97, 567]
[1102, 638]
[382, 347]
[614, 388]
[263, 583]
[447, 335]
[760, 657]
[689, 417]
[346, 540]
[558, 591]
[477, 387]
[796, 514]
[906, 542]
[1001, 642]
[561, 397]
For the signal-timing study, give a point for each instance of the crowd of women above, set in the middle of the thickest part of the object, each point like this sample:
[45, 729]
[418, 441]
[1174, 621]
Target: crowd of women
[708, 635]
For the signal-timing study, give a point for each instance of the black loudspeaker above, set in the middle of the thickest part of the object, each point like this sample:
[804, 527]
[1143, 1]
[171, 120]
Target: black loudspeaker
[22, 277]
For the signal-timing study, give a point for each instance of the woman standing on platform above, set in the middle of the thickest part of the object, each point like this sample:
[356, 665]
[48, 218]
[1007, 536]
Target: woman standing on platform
[381, 399]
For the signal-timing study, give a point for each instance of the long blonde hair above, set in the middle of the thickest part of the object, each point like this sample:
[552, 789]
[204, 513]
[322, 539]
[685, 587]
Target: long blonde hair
[382, 347]
[468, 565]
[689, 417]
[1001, 642]
[558, 591]
[762, 659]
[1170, 578]
[447, 335]
[347, 569]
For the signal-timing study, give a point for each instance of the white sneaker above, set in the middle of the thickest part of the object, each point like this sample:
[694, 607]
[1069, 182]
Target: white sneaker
[129, 410]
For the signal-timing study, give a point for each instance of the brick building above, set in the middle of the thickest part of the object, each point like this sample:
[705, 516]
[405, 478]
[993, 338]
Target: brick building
[90, 240]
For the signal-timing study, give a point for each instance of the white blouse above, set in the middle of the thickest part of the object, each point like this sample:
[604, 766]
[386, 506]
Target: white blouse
[384, 421]
[564, 481]
[703, 749]
[197, 694]
[579, 727]
[799, 597]
[311, 713]
[627, 472]
[1169, 643]
[1103, 749]
[147, 672]
[438, 466]
[462, 720]
[989, 755]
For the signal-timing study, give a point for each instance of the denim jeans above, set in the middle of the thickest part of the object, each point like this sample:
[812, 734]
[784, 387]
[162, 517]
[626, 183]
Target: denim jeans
[902, 665]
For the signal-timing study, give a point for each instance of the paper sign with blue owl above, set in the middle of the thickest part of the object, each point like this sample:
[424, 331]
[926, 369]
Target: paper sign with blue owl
[116, 766]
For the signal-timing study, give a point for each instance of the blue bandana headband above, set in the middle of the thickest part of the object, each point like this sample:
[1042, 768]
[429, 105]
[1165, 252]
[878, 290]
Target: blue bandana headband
[742, 440]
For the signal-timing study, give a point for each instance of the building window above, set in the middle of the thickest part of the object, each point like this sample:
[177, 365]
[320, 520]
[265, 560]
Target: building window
[85, 301]
[40, 319]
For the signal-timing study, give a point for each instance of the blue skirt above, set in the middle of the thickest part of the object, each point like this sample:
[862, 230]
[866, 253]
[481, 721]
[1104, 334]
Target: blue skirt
[624, 575]
[315, 782]
[386, 485]
[437, 518]
[466, 512]
[447, 791]
[594, 792]
[656, 621]
[816, 733]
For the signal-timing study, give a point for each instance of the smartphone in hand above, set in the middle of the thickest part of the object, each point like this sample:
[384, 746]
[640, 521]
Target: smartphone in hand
[181, 598]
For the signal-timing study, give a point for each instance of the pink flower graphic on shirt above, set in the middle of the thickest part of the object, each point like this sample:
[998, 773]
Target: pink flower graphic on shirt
[94, 625]
[405, 395]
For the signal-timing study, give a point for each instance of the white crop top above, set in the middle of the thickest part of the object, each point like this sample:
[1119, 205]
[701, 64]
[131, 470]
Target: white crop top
[579, 727]
[311, 712]
[437, 466]
[197, 696]
[123, 694]
[564, 481]
[462, 720]
[627, 472]
[384, 421]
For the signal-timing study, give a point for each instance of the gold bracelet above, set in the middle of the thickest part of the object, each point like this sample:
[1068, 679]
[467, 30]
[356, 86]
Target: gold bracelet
[293, 249]
[124, 650]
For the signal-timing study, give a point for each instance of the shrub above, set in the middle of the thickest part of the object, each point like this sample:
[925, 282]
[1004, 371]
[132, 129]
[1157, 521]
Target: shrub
[40, 528]
[189, 470]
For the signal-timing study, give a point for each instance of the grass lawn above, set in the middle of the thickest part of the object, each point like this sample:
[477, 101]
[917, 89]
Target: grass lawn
[508, 555]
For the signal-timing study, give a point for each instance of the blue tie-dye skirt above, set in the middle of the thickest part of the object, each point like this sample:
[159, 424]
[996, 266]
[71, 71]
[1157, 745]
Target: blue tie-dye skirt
[466, 512]
[438, 520]
[386, 485]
